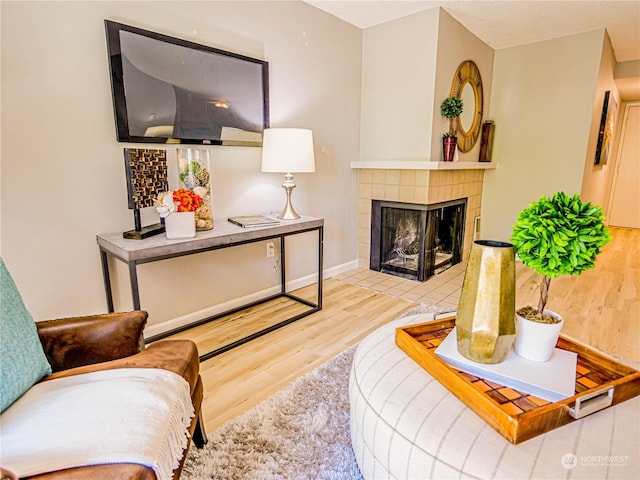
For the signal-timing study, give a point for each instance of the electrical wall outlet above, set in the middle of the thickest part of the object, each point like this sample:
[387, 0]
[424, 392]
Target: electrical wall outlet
[271, 249]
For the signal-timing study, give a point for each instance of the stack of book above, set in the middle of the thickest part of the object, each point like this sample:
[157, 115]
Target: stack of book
[248, 221]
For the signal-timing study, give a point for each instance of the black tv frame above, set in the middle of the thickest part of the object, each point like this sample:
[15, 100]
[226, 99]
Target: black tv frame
[113, 30]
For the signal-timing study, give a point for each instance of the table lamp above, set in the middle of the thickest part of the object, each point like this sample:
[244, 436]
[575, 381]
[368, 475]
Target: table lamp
[286, 150]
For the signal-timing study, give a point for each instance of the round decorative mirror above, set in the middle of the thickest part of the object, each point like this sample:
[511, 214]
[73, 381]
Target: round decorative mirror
[468, 98]
[467, 85]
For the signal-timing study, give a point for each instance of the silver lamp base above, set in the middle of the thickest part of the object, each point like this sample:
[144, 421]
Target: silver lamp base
[289, 212]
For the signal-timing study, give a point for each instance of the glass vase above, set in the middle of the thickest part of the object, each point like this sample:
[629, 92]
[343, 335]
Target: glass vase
[194, 175]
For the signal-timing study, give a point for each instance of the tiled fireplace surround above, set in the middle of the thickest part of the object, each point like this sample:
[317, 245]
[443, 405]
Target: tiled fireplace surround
[416, 186]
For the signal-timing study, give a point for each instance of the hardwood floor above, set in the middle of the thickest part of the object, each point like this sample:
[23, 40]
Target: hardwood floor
[601, 307]
[241, 378]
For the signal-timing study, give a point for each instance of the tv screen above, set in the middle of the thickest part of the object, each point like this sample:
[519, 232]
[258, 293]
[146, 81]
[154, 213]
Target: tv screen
[168, 90]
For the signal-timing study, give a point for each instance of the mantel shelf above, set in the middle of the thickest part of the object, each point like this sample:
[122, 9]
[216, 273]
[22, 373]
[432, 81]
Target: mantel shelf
[420, 165]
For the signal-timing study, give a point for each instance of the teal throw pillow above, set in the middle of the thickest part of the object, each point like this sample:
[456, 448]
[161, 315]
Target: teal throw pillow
[22, 359]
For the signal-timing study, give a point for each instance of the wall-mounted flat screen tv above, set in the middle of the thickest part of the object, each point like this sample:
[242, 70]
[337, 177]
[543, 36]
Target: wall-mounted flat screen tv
[169, 90]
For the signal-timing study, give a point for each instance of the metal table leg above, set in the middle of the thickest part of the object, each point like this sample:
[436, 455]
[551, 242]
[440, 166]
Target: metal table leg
[320, 261]
[135, 292]
[107, 280]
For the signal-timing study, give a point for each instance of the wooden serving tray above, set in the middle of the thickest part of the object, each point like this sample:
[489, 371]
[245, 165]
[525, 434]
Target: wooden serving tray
[601, 381]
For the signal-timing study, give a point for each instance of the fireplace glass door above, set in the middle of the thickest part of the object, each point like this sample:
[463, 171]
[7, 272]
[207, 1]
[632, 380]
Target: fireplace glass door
[402, 241]
[416, 241]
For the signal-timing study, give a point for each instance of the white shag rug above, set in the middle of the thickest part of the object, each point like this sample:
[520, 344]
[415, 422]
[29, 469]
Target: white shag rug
[299, 433]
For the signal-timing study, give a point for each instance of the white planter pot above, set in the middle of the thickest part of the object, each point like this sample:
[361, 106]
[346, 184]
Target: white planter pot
[180, 225]
[536, 341]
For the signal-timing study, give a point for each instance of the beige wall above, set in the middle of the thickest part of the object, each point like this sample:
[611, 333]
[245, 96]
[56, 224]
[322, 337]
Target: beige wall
[455, 45]
[542, 102]
[398, 79]
[596, 178]
[408, 67]
[63, 177]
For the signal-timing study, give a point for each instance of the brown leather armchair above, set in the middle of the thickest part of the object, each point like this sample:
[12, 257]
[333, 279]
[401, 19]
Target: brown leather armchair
[100, 342]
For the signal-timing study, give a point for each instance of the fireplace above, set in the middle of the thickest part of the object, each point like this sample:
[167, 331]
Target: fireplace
[416, 241]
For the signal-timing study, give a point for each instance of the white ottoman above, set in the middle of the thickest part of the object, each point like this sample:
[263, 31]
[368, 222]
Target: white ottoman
[406, 425]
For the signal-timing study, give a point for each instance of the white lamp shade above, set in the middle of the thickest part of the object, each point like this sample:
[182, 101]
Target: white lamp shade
[287, 150]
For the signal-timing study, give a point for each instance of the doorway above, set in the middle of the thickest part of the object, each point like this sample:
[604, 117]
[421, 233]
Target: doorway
[624, 202]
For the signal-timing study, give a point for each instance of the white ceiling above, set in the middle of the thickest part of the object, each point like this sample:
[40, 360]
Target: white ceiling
[503, 24]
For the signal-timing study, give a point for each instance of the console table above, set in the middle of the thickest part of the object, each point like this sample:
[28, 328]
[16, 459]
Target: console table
[223, 235]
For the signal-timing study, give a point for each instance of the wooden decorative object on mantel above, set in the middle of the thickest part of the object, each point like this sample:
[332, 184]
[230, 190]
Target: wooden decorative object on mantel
[468, 74]
[601, 381]
[146, 172]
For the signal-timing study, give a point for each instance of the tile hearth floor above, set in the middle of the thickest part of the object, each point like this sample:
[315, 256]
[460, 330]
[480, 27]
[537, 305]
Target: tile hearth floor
[442, 289]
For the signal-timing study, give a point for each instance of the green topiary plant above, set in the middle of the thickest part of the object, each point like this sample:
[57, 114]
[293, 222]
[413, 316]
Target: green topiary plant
[451, 107]
[561, 235]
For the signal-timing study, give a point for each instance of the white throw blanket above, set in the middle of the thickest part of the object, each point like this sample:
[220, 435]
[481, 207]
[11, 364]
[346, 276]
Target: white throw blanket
[126, 415]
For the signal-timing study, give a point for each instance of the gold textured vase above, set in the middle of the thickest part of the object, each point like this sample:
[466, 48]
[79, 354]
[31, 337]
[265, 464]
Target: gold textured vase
[485, 323]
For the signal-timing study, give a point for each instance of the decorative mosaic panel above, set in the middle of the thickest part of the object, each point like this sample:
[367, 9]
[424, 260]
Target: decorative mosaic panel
[146, 176]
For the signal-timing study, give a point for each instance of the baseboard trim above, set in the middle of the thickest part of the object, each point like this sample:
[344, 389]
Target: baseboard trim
[338, 269]
[194, 317]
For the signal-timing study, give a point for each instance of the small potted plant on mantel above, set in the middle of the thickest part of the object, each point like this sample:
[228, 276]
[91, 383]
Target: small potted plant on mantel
[450, 108]
[561, 235]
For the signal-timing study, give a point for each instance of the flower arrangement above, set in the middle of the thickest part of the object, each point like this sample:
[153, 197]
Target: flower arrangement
[194, 176]
[181, 200]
